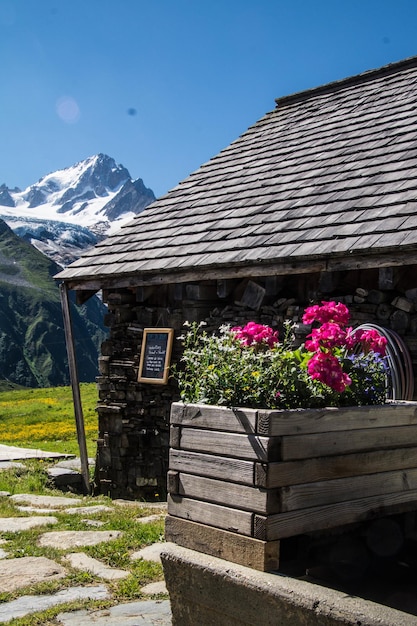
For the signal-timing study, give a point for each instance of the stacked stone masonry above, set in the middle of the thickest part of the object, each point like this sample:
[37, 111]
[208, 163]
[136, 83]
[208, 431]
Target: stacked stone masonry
[133, 417]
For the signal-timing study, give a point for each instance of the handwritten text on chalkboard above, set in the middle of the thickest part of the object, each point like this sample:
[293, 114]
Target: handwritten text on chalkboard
[155, 355]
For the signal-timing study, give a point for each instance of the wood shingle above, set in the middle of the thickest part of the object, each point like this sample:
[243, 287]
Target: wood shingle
[329, 174]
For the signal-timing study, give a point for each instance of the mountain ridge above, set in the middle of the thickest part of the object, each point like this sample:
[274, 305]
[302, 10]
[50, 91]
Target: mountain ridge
[70, 210]
[32, 339]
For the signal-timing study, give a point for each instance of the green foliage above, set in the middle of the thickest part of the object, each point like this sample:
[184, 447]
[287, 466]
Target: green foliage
[221, 369]
[32, 341]
[31, 478]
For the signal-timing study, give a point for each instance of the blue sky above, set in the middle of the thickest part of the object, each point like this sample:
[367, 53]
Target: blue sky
[164, 85]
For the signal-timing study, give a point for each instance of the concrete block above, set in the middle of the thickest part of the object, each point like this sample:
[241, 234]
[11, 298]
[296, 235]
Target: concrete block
[214, 592]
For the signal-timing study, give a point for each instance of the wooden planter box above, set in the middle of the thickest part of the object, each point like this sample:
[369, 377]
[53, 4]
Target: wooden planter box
[240, 480]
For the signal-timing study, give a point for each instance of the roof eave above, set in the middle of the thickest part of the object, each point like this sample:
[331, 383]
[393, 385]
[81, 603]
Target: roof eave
[388, 257]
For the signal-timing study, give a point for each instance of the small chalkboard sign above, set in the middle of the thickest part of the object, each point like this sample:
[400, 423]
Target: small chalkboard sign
[155, 355]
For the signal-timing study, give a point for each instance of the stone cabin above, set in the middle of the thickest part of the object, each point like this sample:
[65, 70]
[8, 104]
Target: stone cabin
[316, 200]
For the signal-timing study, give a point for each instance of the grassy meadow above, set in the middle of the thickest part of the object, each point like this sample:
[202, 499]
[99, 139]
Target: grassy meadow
[44, 418]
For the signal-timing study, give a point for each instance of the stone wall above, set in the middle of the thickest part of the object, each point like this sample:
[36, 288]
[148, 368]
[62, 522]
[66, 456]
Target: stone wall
[133, 418]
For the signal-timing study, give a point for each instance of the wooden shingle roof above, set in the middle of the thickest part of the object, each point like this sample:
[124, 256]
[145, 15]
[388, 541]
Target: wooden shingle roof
[326, 179]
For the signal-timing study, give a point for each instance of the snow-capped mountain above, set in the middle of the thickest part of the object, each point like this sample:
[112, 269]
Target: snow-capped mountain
[70, 210]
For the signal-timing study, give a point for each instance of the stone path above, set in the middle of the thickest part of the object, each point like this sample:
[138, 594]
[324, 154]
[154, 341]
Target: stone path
[19, 573]
[9, 453]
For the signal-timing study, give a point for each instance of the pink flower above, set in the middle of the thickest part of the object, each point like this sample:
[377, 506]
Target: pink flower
[253, 334]
[328, 312]
[370, 339]
[328, 336]
[326, 368]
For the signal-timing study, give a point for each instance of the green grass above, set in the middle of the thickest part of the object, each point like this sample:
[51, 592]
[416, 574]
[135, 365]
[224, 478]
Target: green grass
[44, 418]
[32, 477]
[116, 553]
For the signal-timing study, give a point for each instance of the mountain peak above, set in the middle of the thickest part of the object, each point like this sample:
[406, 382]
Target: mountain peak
[78, 195]
[96, 193]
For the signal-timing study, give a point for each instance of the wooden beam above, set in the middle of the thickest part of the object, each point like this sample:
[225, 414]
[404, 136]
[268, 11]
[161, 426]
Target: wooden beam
[242, 497]
[221, 418]
[82, 296]
[287, 266]
[248, 447]
[341, 489]
[224, 517]
[75, 385]
[276, 475]
[324, 517]
[344, 442]
[213, 466]
[260, 555]
[302, 421]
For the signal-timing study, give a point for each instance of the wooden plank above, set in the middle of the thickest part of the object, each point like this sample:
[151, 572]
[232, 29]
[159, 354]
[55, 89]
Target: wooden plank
[298, 421]
[224, 517]
[173, 481]
[247, 551]
[328, 444]
[236, 470]
[376, 259]
[325, 468]
[330, 516]
[249, 447]
[174, 436]
[230, 494]
[342, 489]
[253, 296]
[214, 417]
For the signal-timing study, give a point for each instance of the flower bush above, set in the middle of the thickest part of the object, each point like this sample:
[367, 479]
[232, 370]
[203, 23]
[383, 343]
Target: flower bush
[252, 366]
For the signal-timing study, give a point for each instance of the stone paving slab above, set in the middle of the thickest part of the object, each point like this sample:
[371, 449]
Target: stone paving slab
[141, 613]
[45, 501]
[28, 570]
[11, 453]
[63, 539]
[31, 604]
[88, 510]
[83, 562]
[17, 524]
[5, 465]
[145, 505]
[150, 518]
[36, 509]
[74, 463]
[153, 589]
[149, 553]
[63, 477]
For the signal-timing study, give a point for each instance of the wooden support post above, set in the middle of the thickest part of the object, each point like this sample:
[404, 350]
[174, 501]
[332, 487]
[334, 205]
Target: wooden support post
[75, 385]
